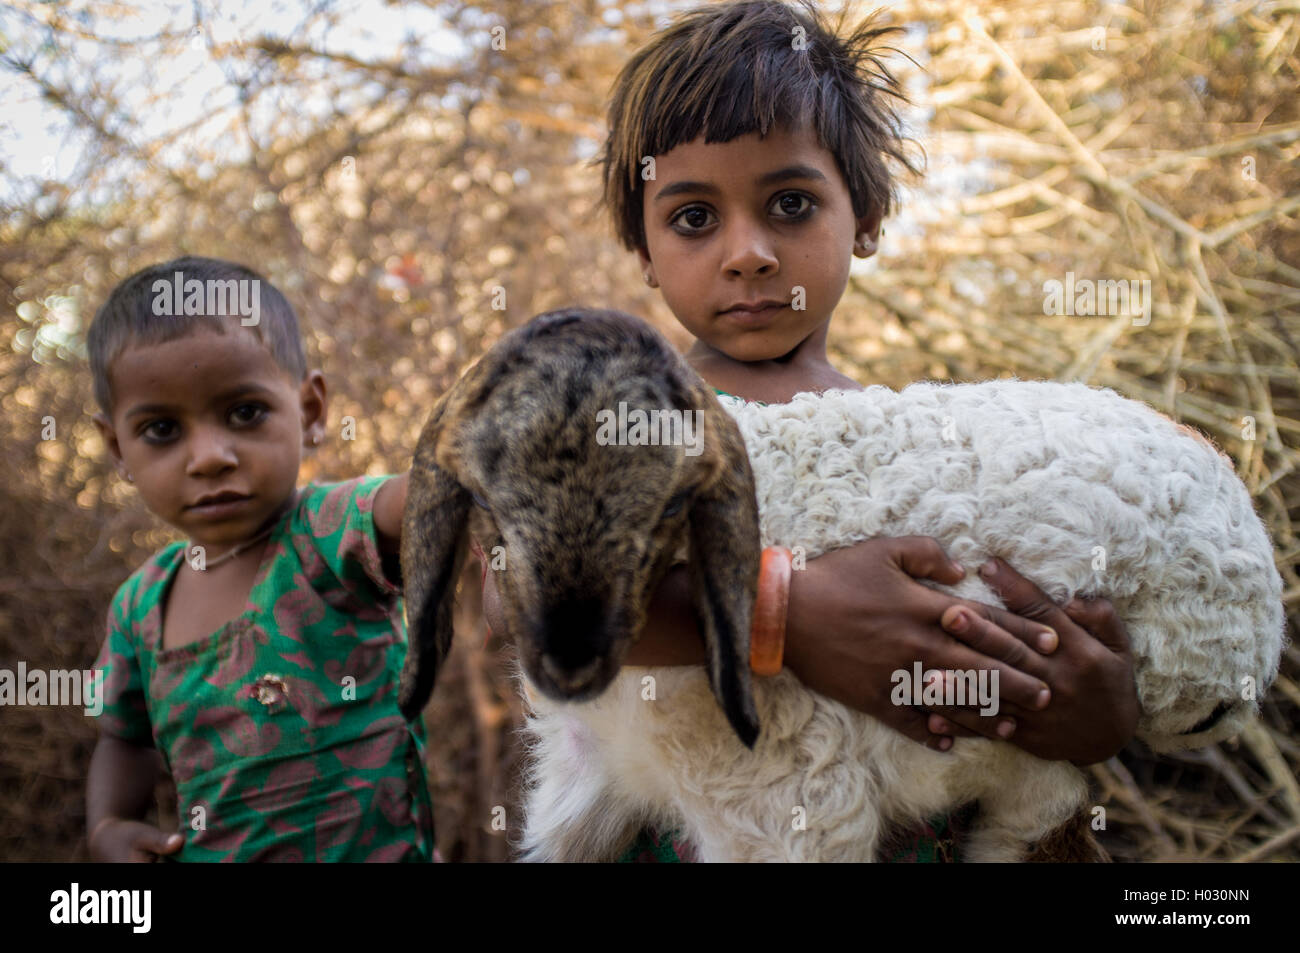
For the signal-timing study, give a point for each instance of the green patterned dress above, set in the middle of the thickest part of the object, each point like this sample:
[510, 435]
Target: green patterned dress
[281, 729]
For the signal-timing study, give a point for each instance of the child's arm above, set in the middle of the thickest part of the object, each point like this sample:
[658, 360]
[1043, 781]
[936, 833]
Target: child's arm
[861, 616]
[857, 615]
[1094, 710]
[390, 501]
[119, 791]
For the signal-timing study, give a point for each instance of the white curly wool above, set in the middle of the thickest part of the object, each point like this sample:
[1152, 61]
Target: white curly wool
[1079, 489]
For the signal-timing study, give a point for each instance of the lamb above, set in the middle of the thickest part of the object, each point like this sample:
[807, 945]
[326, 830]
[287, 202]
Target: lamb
[1080, 489]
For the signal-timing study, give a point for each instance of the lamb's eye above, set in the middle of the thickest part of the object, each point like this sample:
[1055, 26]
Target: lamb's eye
[675, 504]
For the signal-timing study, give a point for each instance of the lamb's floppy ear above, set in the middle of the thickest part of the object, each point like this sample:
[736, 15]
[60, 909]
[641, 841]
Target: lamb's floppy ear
[724, 564]
[433, 531]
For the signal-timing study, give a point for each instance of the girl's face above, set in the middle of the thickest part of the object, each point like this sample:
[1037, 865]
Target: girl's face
[758, 221]
[210, 414]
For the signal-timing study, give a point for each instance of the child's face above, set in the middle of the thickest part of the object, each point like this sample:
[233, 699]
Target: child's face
[749, 221]
[210, 413]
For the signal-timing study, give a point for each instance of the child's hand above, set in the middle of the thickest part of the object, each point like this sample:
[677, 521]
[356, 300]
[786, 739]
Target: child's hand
[116, 841]
[1094, 707]
[857, 615]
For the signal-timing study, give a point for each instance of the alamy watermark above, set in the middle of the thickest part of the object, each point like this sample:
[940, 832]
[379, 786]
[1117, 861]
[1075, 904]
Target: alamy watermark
[216, 297]
[641, 428]
[81, 689]
[1086, 297]
[75, 905]
[947, 687]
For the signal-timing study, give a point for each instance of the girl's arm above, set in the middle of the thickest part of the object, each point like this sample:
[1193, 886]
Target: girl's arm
[857, 615]
[119, 792]
[1094, 710]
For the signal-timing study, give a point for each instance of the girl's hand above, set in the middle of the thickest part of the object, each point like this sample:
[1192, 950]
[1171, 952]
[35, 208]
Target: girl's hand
[1094, 708]
[116, 840]
[857, 615]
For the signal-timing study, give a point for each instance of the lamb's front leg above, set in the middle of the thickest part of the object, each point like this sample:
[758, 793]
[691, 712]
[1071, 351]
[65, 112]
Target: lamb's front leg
[572, 811]
[1029, 800]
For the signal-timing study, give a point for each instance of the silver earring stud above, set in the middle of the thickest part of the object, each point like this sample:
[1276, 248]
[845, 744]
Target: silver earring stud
[315, 439]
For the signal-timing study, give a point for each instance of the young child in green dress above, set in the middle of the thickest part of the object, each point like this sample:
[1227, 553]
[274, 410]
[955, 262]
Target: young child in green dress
[746, 167]
[258, 659]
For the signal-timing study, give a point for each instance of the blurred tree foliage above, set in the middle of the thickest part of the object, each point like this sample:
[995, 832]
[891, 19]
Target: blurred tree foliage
[418, 194]
[395, 198]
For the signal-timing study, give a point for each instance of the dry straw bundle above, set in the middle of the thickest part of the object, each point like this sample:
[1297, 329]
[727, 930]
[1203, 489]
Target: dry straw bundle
[1147, 149]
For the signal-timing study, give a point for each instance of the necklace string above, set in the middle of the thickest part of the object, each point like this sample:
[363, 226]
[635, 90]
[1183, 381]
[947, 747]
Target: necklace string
[248, 543]
[241, 548]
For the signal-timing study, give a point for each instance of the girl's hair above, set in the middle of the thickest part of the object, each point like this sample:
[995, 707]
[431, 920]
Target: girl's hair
[735, 68]
[130, 317]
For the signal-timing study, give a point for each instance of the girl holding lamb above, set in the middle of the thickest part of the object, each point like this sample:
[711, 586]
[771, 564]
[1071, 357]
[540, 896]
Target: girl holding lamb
[768, 180]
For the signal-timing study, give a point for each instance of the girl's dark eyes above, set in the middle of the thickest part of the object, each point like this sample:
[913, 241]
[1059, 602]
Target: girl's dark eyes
[243, 415]
[799, 210]
[788, 207]
[695, 217]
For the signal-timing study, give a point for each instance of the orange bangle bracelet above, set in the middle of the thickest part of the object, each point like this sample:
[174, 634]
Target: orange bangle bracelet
[767, 634]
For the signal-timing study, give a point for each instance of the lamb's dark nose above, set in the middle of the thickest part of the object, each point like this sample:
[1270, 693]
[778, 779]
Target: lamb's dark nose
[575, 635]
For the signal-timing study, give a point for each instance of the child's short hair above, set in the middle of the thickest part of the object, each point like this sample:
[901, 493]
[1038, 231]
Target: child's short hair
[130, 316]
[735, 68]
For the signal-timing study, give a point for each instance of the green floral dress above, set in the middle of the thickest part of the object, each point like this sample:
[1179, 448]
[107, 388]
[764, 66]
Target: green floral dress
[937, 841]
[281, 729]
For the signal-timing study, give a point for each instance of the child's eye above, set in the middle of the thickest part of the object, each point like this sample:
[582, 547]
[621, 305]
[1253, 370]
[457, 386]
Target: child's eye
[693, 217]
[793, 205]
[159, 431]
[248, 413]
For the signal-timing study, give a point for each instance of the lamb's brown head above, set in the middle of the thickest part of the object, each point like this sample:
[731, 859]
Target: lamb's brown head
[581, 452]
